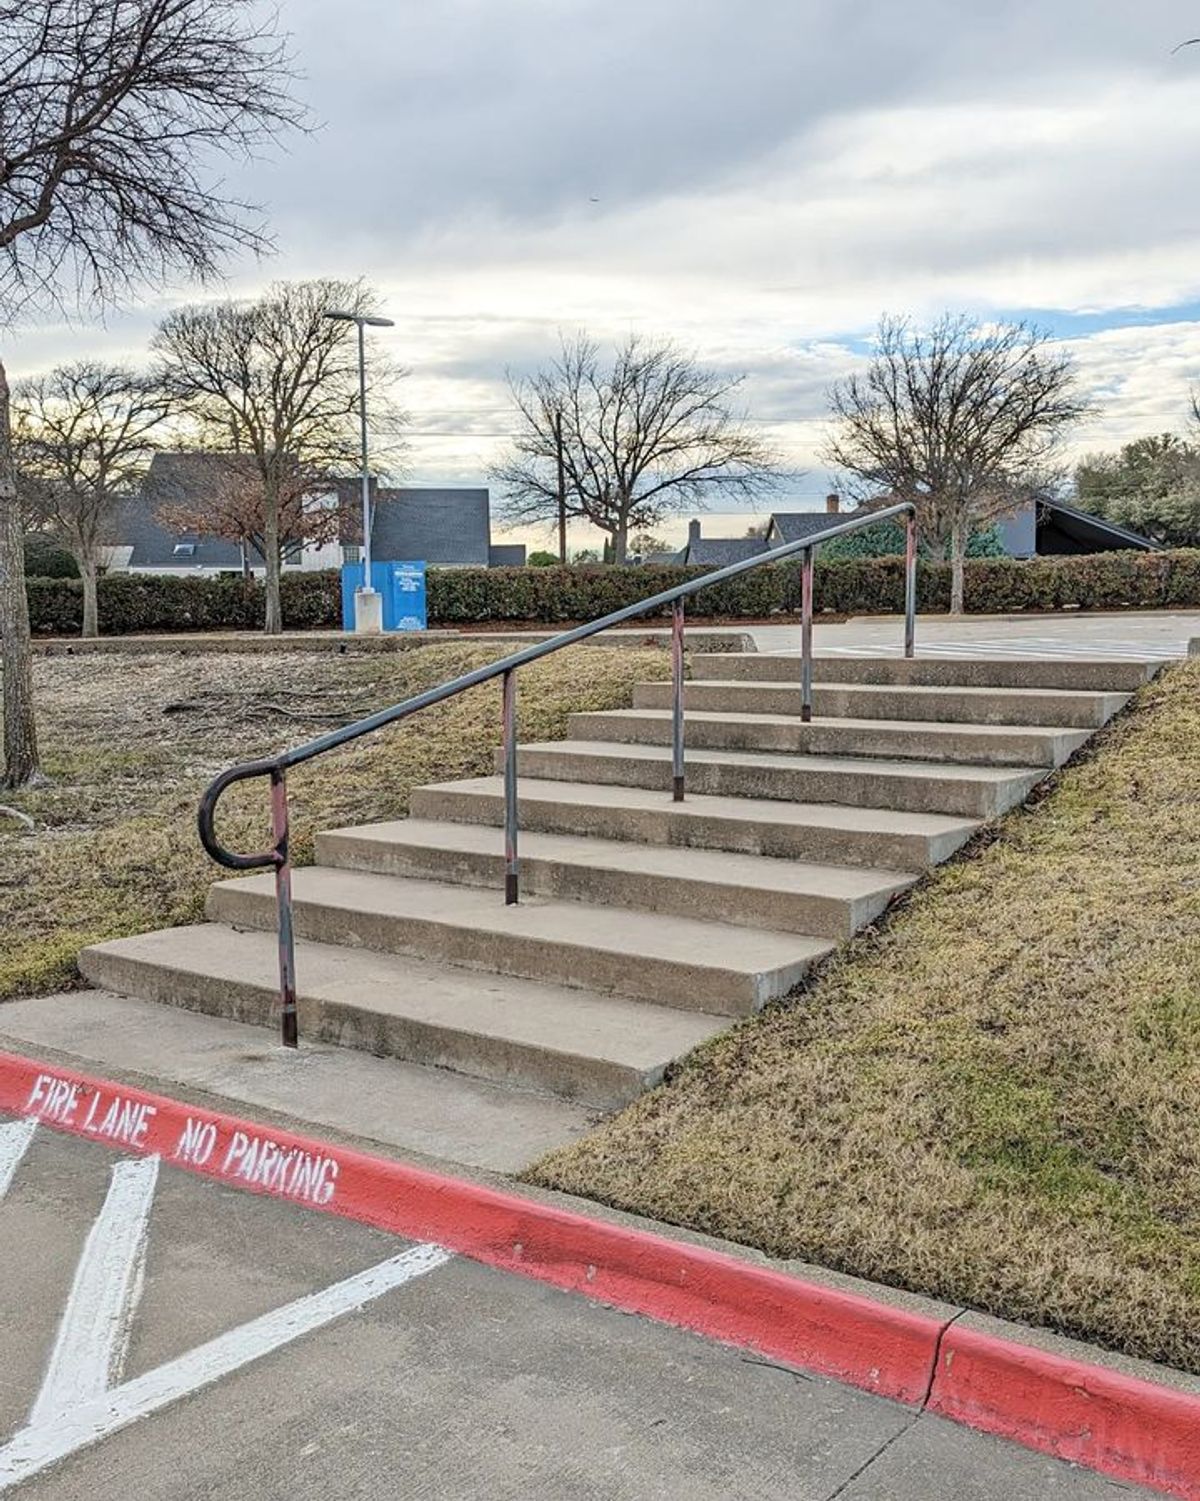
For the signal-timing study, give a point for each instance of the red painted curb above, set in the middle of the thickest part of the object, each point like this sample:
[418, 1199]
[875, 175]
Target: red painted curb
[849, 1338]
[1131, 1429]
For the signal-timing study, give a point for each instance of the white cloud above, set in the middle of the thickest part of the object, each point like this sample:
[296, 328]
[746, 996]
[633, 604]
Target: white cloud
[771, 176]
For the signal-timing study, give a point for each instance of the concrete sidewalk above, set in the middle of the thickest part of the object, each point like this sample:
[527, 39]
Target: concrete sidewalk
[462, 1382]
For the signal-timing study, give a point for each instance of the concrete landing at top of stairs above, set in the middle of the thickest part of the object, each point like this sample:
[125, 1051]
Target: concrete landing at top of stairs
[1087, 674]
[441, 1116]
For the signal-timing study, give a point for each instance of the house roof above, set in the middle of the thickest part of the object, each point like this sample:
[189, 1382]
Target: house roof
[412, 523]
[434, 526]
[506, 555]
[794, 526]
[135, 525]
[719, 552]
[183, 479]
[1093, 532]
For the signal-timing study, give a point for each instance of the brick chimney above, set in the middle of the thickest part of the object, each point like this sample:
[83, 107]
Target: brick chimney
[693, 531]
[833, 504]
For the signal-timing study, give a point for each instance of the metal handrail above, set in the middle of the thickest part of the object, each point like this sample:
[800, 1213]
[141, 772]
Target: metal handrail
[276, 767]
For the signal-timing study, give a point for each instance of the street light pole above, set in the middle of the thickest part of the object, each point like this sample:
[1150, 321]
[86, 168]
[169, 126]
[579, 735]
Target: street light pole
[368, 603]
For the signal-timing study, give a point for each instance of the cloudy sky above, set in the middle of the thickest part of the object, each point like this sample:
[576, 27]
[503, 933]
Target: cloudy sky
[759, 180]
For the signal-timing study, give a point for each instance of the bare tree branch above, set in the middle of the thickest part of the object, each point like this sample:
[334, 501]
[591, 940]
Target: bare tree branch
[114, 118]
[649, 435]
[962, 420]
[83, 436]
[275, 381]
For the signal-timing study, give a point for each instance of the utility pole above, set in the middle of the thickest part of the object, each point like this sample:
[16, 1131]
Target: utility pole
[562, 489]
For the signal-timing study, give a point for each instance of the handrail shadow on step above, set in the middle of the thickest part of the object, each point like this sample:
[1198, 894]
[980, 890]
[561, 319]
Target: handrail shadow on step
[277, 767]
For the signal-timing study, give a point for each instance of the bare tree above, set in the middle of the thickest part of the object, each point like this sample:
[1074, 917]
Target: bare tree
[649, 435]
[83, 436]
[230, 501]
[962, 420]
[114, 116]
[276, 379]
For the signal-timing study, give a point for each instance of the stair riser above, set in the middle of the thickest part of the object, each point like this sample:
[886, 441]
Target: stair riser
[931, 672]
[688, 987]
[1067, 711]
[599, 1083]
[676, 826]
[785, 912]
[790, 784]
[794, 737]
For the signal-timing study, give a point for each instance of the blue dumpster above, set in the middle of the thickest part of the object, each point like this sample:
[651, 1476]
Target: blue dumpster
[402, 586]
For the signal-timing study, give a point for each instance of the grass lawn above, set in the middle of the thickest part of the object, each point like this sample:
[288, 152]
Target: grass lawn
[129, 742]
[995, 1098]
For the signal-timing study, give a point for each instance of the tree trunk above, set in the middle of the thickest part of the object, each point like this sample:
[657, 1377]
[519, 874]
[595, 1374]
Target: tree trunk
[91, 614]
[273, 623]
[959, 531]
[16, 658]
[620, 538]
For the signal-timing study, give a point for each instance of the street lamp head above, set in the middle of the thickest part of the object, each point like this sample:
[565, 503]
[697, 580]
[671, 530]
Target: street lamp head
[362, 318]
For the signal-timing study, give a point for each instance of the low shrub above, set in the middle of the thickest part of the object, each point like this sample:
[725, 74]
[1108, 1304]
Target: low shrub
[45, 559]
[132, 603]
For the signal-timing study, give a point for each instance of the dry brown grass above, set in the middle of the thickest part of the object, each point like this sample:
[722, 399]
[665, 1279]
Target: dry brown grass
[996, 1098]
[114, 848]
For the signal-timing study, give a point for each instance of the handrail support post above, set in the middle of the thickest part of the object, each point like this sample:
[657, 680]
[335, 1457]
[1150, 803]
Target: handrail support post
[910, 584]
[806, 638]
[289, 1028]
[677, 766]
[512, 865]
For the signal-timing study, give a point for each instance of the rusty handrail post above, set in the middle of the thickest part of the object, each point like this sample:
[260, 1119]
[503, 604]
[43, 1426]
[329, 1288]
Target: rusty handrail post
[283, 900]
[806, 612]
[512, 864]
[677, 767]
[910, 584]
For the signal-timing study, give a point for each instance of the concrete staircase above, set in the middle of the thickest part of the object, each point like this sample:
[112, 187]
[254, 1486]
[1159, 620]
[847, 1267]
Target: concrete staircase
[645, 925]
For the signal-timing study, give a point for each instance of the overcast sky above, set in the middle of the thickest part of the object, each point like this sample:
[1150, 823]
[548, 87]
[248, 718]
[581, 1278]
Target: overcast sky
[759, 180]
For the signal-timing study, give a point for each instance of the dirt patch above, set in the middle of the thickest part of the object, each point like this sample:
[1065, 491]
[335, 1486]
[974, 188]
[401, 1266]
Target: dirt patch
[995, 1099]
[130, 742]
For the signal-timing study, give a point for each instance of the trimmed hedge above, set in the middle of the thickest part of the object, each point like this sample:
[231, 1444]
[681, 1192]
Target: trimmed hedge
[133, 603]
[149, 604]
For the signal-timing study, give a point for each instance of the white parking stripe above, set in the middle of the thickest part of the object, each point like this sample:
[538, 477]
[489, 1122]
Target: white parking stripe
[90, 1348]
[44, 1444]
[15, 1137]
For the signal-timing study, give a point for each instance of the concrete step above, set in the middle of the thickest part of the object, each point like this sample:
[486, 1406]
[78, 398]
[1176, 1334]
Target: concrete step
[898, 739]
[822, 832]
[1077, 673]
[910, 786]
[826, 901]
[699, 966]
[1056, 707]
[384, 1102]
[574, 1043]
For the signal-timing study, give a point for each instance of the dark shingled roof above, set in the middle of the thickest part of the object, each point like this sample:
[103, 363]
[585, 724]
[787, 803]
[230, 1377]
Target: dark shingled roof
[434, 526]
[1084, 532]
[175, 479]
[719, 552]
[412, 524]
[794, 526]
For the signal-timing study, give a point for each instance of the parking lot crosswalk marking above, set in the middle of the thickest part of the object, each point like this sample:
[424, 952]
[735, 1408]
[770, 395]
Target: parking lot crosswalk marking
[44, 1443]
[15, 1137]
[89, 1350]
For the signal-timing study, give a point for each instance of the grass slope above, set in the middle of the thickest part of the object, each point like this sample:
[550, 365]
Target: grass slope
[130, 742]
[996, 1098]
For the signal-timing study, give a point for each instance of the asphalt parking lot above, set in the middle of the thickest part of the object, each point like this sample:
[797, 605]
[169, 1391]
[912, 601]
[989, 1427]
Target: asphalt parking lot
[167, 1336]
